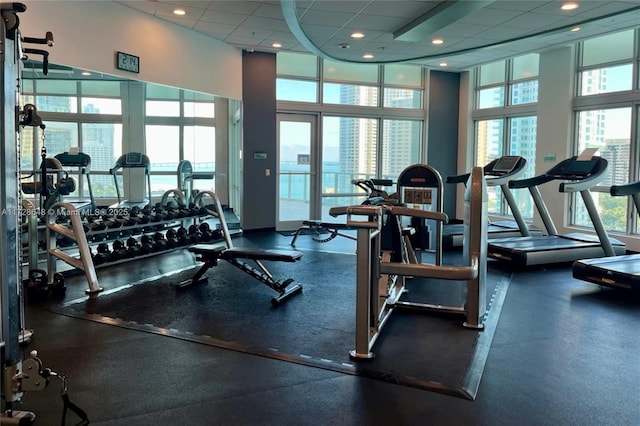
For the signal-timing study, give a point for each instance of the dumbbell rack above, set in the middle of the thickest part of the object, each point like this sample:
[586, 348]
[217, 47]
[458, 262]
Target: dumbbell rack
[75, 233]
[81, 238]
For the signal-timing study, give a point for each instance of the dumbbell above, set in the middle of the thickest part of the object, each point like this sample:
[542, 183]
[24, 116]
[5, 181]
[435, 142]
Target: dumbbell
[97, 225]
[160, 242]
[37, 285]
[111, 222]
[118, 251]
[183, 237]
[64, 241]
[172, 240]
[194, 232]
[102, 254]
[133, 248]
[217, 234]
[58, 287]
[205, 231]
[146, 245]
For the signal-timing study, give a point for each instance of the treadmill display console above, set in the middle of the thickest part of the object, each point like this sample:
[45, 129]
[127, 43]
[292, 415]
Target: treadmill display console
[580, 168]
[505, 165]
[133, 159]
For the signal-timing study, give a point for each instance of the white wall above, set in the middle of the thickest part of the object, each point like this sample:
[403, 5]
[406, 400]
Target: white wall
[555, 117]
[88, 33]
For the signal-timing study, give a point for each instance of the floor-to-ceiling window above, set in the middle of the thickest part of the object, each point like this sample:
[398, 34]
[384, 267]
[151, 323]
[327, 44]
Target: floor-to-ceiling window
[371, 119]
[505, 119]
[84, 115]
[606, 116]
[179, 125]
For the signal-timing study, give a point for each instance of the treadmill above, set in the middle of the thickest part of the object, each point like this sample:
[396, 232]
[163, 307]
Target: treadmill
[578, 175]
[83, 162]
[621, 272]
[131, 160]
[497, 173]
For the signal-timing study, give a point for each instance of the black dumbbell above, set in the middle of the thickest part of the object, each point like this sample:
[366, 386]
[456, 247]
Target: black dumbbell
[172, 238]
[205, 231]
[37, 285]
[217, 234]
[64, 241]
[133, 248]
[118, 251]
[146, 245]
[102, 254]
[160, 242]
[58, 286]
[183, 237]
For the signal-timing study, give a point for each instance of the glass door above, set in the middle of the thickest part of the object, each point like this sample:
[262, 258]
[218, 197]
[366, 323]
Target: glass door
[297, 171]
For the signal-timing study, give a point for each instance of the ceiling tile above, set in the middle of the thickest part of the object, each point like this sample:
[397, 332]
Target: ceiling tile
[490, 16]
[266, 23]
[223, 17]
[534, 20]
[215, 28]
[252, 32]
[143, 6]
[327, 23]
[350, 6]
[327, 18]
[269, 11]
[234, 6]
[400, 9]
[380, 23]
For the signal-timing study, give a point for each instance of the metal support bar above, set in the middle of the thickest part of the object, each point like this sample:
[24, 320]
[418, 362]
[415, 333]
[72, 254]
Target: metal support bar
[76, 233]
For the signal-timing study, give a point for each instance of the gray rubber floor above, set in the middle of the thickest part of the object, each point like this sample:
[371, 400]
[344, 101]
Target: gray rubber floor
[564, 353]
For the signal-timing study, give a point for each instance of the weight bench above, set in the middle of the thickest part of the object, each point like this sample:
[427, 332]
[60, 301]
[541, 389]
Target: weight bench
[211, 253]
[239, 257]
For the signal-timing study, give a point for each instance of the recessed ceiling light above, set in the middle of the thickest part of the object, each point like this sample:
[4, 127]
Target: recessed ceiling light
[367, 56]
[574, 29]
[357, 34]
[180, 12]
[569, 6]
[437, 41]
[276, 45]
[85, 73]
[443, 64]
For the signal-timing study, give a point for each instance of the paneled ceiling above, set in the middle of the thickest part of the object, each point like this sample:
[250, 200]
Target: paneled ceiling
[472, 31]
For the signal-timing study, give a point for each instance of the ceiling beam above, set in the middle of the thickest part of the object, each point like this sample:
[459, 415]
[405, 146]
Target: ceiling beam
[444, 14]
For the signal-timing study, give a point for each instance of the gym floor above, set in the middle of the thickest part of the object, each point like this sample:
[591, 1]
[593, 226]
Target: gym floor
[564, 352]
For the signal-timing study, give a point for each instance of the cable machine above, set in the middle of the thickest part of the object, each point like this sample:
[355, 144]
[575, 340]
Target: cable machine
[18, 375]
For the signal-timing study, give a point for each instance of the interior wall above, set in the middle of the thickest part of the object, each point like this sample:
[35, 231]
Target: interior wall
[169, 54]
[442, 139]
[555, 118]
[259, 141]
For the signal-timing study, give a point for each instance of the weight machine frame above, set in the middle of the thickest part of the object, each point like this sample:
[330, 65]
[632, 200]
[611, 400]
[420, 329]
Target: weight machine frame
[374, 305]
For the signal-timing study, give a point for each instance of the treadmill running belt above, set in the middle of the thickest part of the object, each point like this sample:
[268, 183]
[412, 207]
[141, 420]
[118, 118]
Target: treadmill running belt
[616, 272]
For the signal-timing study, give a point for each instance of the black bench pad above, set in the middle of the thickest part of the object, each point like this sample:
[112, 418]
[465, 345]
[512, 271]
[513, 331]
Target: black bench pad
[258, 254]
[221, 252]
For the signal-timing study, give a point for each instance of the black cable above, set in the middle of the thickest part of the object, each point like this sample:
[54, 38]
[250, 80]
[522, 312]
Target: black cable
[67, 404]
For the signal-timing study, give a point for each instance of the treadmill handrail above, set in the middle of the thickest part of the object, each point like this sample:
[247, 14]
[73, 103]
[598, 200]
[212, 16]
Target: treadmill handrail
[463, 178]
[494, 177]
[625, 189]
[575, 182]
[530, 182]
